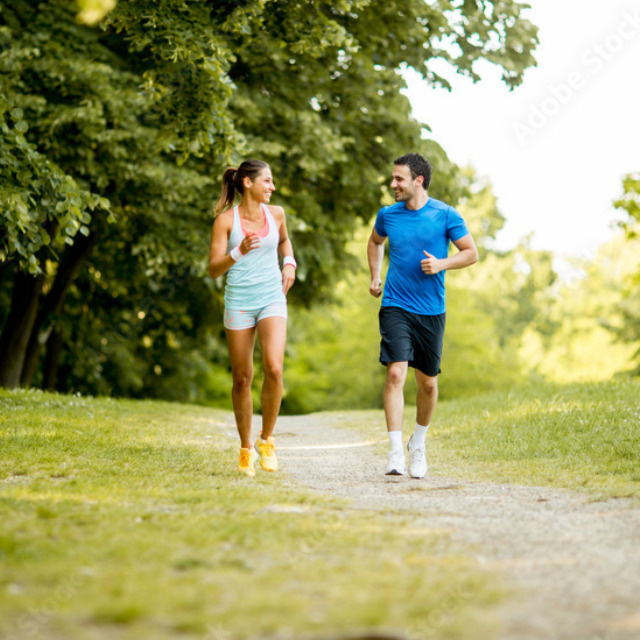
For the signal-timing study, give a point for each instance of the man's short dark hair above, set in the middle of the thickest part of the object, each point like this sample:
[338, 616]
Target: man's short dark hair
[418, 165]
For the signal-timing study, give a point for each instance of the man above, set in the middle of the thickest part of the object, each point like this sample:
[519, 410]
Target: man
[412, 314]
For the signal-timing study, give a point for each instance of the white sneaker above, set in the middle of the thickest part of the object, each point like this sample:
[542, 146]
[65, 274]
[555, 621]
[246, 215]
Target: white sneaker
[396, 466]
[417, 460]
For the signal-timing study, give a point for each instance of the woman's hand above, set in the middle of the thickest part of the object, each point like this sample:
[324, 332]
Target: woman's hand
[249, 242]
[288, 277]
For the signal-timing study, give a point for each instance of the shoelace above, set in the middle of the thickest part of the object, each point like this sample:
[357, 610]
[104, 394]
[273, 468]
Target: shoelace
[267, 449]
[245, 457]
[416, 455]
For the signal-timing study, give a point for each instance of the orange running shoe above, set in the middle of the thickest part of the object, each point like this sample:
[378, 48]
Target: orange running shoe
[266, 450]
[245, 464]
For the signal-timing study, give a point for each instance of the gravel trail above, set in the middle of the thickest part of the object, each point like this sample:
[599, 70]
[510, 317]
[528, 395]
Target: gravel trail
[574, 563]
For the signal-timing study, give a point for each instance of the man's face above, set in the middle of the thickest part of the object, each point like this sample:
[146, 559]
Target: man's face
[403, 185]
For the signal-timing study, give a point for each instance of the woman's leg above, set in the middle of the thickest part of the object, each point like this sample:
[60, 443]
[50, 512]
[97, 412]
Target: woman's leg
[272, 333]
[241, 345]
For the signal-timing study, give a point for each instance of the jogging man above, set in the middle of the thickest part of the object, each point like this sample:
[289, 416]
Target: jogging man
[412, 314]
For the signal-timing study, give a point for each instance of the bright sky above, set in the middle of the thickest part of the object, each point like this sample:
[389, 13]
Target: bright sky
[556, 148]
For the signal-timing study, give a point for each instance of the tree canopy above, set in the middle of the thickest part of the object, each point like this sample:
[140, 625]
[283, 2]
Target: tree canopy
[113, 139]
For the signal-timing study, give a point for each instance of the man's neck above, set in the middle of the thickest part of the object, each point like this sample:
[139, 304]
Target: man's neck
[419, 199]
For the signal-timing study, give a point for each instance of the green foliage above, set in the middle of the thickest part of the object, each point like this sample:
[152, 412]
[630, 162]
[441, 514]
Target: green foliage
[332, 353]
[119, 133]
[590, 314]
[630, 201]
[42, 207]
[630, 304]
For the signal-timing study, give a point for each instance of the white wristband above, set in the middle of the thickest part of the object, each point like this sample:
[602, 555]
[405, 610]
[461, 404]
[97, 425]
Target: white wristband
[236, 254]
[289, 260]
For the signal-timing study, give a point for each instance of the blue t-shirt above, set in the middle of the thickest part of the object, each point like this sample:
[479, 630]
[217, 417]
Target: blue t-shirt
[430, 229]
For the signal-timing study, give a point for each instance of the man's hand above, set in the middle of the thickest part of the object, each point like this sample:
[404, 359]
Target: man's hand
[375, 288]
[430, 265]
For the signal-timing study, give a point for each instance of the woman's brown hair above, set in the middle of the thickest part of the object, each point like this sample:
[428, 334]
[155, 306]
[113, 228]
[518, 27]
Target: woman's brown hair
[232, 181]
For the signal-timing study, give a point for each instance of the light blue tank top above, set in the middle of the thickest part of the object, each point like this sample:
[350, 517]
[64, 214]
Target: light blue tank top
[255, 281]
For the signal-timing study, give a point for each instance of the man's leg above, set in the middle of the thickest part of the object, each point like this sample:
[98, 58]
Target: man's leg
[394, 409]
[394, 394]
[427, 397]
[426, 400]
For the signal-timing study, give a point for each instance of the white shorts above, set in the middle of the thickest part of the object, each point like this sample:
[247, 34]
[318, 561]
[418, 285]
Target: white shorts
[236, 320]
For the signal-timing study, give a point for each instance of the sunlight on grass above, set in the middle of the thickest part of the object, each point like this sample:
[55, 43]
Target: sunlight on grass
[575, 436]
[127, 519]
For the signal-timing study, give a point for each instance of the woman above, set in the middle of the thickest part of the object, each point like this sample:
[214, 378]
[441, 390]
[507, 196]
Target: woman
[245, 243]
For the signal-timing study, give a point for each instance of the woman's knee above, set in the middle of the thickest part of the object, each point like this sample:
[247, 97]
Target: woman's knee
[242, 378]
[273, 370]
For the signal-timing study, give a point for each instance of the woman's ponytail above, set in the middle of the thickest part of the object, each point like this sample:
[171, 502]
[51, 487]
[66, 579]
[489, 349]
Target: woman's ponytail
[228, 194]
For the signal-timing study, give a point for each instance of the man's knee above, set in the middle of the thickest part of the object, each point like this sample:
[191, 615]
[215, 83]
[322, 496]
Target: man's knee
[428, 384]
[396, 374]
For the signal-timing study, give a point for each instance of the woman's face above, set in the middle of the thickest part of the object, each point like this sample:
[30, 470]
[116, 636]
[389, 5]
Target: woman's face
[262, 186]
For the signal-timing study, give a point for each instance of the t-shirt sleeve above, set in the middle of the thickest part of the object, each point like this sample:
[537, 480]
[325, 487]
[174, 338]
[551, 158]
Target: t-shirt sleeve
[379, 223]
[456, 227]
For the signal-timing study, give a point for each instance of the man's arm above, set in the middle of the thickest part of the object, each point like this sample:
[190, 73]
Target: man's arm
[467, 255]
[375, 254]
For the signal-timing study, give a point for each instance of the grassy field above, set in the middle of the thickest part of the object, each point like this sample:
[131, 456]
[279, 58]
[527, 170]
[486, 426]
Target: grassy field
[576, 436]
[122, 519]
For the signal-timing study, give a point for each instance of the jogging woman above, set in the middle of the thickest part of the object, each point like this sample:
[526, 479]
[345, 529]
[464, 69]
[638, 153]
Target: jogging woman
[245, 244]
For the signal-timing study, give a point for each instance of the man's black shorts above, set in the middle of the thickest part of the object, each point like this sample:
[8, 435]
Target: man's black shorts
[411, 337]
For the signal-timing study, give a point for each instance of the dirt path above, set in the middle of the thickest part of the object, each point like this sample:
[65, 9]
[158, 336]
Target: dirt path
[574, 564]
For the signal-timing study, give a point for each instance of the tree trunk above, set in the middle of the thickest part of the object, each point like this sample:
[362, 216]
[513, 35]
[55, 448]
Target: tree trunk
[51, 360]
[15, 336]
[71, 262]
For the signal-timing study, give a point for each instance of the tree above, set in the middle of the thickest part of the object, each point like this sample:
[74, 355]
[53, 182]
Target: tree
[588, 316]
[630, 303]
[95, 149]
[113, 137]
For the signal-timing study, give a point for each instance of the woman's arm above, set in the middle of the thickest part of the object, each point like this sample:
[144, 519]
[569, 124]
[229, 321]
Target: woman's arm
[285, 248]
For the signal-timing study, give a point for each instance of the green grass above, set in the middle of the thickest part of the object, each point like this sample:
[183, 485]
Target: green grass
[579, 436]
[127, 519]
